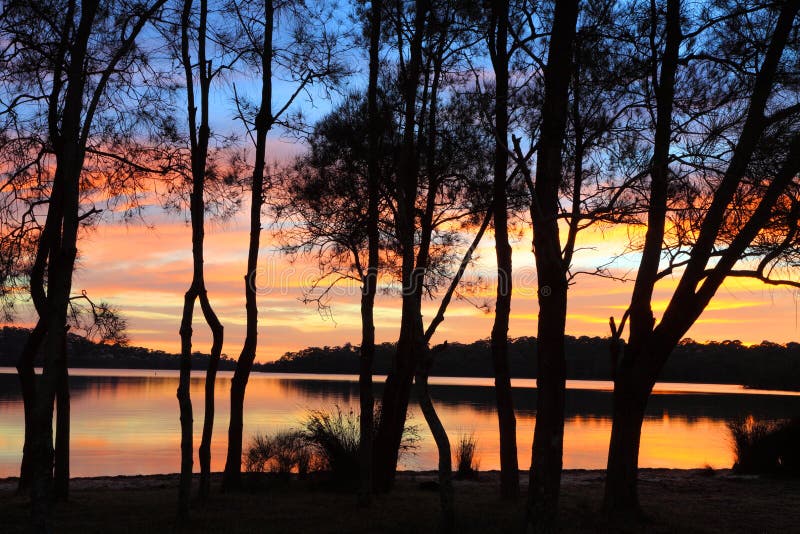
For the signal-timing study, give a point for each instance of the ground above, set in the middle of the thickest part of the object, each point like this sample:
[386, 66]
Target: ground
[675, 500]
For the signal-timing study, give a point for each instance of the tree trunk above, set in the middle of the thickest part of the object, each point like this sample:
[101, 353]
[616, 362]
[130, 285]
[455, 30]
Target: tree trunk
[199, 139]
[365, 393]
[546, 463]
[185, 404]
[367, 404]
[398, 383]
[27, 382]
[548, 438]
[41, 487]
[61, 469]
[394, 407]
[621, 500]
[509, 463]
[204, 454]
[232, 478]
[60, 268]
[447, 510]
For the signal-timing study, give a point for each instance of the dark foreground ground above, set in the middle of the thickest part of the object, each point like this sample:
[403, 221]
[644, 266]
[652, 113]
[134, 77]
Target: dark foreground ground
[676, 500]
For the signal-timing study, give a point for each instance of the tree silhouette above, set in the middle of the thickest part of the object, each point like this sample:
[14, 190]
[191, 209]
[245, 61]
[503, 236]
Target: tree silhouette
[194, 28]
[307, 54]
[68, 59]
[722, 189]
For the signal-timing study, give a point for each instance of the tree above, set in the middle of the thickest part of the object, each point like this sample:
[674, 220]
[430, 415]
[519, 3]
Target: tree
[440, 179]
[577, 131]
[307, 54]
[545, 473]
[199, 138]
[498, 50]
[365, 394]
[72, 58]
[721, 195]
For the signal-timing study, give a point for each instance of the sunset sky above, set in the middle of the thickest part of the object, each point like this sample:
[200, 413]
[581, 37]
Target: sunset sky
[144, 267]
[145, 270]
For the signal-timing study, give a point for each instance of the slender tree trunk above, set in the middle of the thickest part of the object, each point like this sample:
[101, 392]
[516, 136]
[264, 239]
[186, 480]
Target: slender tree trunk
[199, 139]
[366, 400]
[61, 468]
[185, 404]
[26, 362]
[446, 497]
[365, 393]
[204, 453]
[546, 463]
[509, 463]
[41, 487]
[63, 251]
[232, 478]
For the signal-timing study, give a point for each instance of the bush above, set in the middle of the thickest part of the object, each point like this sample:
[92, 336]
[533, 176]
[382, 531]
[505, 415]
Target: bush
[285, 452]
[766, 446]
[466, 461]
[334, 437]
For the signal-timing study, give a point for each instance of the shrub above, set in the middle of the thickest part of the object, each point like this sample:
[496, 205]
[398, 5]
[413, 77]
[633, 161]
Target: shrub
[334, 437]
[466, 461]
[285, 452]
[766, 446]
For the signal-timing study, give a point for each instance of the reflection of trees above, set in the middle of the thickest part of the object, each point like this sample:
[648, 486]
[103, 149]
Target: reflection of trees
[583, 403]
[106, 386]
[689, 406]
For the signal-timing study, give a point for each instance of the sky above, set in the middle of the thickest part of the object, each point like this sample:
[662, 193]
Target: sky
[145, 269]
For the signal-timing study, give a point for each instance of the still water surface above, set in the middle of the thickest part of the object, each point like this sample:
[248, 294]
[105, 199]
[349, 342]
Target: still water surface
[125, 422]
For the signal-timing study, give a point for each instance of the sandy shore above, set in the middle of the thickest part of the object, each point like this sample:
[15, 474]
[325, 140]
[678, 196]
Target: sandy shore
[676, 501]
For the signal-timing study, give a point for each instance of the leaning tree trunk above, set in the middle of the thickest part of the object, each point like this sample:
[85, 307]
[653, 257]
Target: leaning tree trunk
[394, 405]
[446, 499]
[398, 384]
[509, 463]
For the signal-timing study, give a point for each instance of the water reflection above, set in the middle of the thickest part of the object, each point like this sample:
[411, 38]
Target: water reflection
[126, 422]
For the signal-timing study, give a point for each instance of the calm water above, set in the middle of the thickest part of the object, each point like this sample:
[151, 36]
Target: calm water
[126, 421]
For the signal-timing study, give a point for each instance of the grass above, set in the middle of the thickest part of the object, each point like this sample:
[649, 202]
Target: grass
[677, 501]
[326, 440]
[467, 463]
[766, 446]
[285, 452]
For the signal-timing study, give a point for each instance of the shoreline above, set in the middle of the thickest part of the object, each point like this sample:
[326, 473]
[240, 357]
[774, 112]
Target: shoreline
[675, 500]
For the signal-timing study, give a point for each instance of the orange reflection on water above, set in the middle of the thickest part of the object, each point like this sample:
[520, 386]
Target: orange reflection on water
[126, 422]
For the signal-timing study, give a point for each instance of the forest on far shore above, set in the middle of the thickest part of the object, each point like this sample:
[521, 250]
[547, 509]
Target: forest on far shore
[766, 365]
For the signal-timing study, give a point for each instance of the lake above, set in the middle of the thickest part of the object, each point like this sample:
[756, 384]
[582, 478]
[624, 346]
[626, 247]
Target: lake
[125, 422]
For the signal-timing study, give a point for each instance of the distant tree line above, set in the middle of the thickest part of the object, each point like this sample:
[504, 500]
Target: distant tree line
[766, 365]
